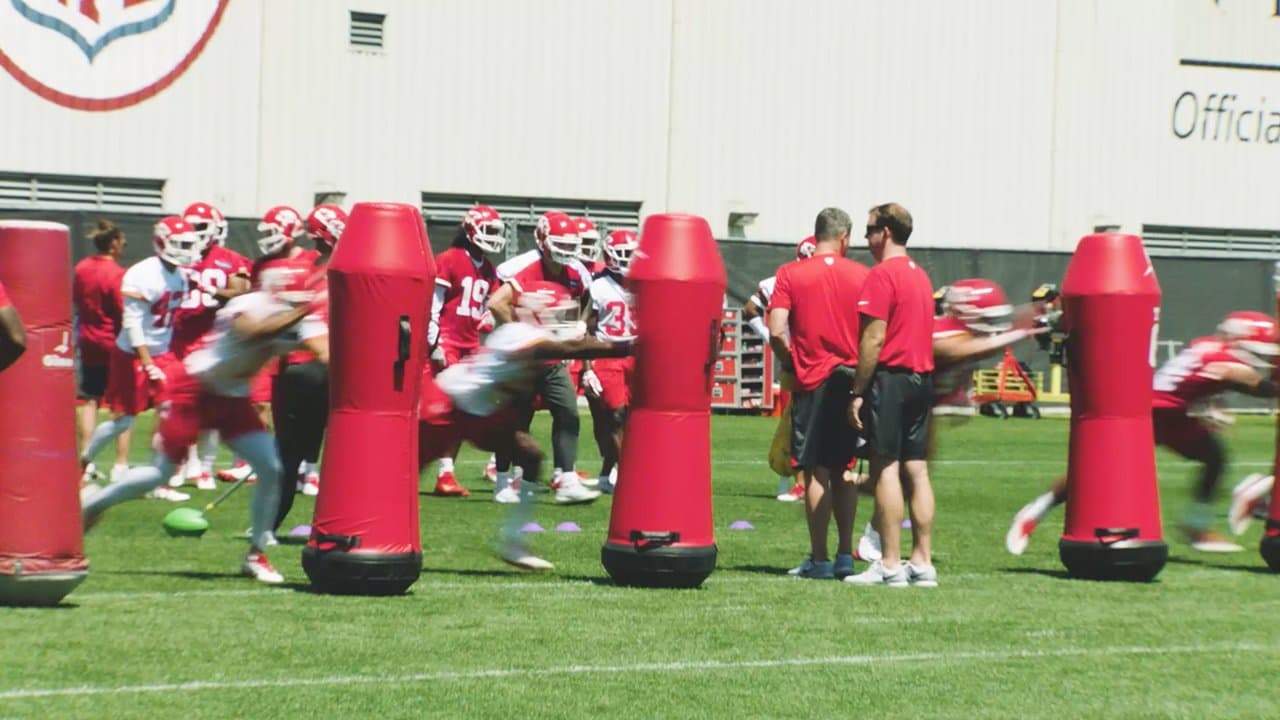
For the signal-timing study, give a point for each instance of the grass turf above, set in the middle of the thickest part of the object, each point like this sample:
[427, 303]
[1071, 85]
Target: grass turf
[166, 627]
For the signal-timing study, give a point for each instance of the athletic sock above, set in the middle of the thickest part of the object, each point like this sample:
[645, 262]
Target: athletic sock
[446, 465]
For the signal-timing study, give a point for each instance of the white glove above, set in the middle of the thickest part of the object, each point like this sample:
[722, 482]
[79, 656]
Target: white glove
[591, 382]
[154, 373]
[437, 354]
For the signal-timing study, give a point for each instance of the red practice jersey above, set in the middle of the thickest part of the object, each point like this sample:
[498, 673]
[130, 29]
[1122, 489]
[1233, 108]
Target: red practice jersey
[466, 285]
[1194, 374]
[95, 291]
[819, 294]
[898, 291]
[195, 316]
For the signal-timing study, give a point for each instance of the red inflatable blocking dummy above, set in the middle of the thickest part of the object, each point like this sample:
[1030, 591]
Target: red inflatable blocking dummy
[660, 527]
[1111, 306]
[364, 538]
[41, 542]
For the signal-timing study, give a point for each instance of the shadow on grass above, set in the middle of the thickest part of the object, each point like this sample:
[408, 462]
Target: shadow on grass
[760, 569]
[189, 574]
[1261, 569]
[473, 573]
[1055, 573]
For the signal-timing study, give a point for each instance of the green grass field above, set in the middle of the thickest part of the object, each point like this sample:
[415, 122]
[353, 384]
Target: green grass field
[166, 628]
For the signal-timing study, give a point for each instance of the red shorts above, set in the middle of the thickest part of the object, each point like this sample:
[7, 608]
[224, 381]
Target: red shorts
[260, 386]
[575, 375]
[441, 426]
[452, 356]
[1184, 435]
[191, 409]
[615, 378]
[129, 390]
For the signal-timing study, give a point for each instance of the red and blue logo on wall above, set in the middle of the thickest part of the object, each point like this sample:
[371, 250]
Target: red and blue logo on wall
[103, 54]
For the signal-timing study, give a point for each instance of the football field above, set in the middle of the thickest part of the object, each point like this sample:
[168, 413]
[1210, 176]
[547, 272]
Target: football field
[166, 627]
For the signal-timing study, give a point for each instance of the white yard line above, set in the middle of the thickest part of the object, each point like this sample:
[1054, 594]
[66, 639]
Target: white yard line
[683, 666]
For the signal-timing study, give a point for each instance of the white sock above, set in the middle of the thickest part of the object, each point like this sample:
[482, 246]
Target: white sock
[1041, 506]
[311, 468]
[259, 449]
[493, 460]
[106, 431]
[446, 465]
[134, 484]
[208, 450]
[613, 475]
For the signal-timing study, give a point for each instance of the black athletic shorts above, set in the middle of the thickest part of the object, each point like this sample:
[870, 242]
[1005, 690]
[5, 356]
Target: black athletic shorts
[895, 414]
[821, 435]
[93, 381]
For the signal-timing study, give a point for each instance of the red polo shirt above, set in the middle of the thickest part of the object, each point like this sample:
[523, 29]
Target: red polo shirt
[820, 294]
[898, 291]
[95, 291]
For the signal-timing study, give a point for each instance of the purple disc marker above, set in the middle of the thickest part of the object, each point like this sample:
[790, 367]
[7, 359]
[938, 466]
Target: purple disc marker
[906, 523]
[741, 525]
[568, 526]
[301, 531]
[531, 527]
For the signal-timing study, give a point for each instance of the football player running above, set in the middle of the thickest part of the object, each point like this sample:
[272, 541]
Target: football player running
[464, 278]
[219, 275]
[141, 361]
[1240, 357]
[606, 382]
[481, 399]
[210, 389]
[790, 488]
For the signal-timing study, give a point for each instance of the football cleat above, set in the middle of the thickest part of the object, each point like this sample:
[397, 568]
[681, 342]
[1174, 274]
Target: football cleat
[1247, 499]
[447, 486]
[311, 484]
[491, 470]
[570, 490]
[257, 566]
[1019, 535]
[517, 554]
[868, 546]
[795, 494]
[170, 494]
[1210, 542]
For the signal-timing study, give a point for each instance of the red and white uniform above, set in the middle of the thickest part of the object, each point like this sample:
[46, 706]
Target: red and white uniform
[210, 389]
[95, 292]
[527, 268]
[1194, 375]
[951, 383]
[260, 388]
[466, 283]
[472, 400]
[615, 321]
[195, 316]
[129, 390]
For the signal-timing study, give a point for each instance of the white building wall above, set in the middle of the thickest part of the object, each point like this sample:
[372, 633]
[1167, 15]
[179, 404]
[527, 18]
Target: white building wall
[999, 123]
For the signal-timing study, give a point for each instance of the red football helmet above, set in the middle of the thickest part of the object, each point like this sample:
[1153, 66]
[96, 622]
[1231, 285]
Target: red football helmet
[980, 304]
[589, 249]
[557, 237]
[325, 225]
[289, 281]
[279, 226]
[176, 242]
[619, 246]
[549, 305]
[484, 229]
[806, 248]
[208, 222]
[1252, 336]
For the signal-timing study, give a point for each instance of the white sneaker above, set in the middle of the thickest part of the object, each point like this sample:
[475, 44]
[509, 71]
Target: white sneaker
[257, 566]
[168, 493]
[87, 492]
[824, 570]
[877, 574]
[311, 485]
[491, 470]
[1248, 495]
[925, 576]
[868, 547]
[206, 482]
[517, 554]
[1019, 535]
[593, 482]
[570, 491]
[509, 495]
[179, 477]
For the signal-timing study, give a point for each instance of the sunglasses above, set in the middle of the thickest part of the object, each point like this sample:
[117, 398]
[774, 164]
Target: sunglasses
[874, 228]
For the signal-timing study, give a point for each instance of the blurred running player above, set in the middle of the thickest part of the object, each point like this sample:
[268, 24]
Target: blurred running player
[1240, 357]
[479, 399]
[210, 389]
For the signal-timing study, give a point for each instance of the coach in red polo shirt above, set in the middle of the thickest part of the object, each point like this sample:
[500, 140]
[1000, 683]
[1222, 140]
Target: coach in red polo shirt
[813, 328]
[13, 339]
[893, 394]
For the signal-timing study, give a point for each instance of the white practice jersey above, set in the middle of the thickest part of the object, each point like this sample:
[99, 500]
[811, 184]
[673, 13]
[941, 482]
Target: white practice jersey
[485, 381]
[225, 362]
[163, 290]
[615, 310]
